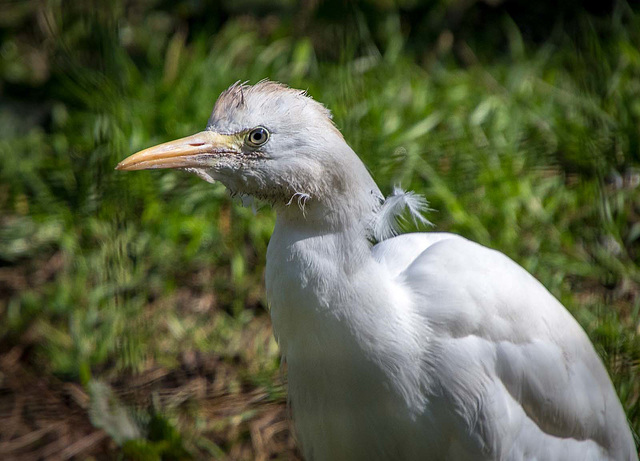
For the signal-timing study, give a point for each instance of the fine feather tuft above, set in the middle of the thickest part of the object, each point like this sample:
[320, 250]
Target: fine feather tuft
[387, 220]
[302, 200]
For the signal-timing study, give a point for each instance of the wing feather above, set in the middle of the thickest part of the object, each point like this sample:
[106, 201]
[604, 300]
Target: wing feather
[519, 372]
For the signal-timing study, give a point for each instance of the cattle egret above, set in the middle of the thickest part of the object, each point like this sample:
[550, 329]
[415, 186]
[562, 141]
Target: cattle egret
[424, 346]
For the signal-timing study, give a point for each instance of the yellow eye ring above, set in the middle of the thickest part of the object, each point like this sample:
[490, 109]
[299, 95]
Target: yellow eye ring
[257, 137]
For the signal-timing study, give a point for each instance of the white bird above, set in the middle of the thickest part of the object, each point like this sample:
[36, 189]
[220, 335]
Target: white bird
[425, 346]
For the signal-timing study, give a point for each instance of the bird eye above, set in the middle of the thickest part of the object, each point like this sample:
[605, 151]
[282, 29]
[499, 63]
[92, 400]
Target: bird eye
[257, 137]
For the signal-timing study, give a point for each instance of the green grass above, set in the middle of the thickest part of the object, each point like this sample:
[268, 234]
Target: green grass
[105, 276]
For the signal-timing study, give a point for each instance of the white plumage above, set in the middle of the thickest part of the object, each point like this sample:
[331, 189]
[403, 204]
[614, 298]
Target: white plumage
[425, 346]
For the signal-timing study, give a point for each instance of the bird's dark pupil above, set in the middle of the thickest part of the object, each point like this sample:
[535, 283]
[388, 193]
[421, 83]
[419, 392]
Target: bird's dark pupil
[258, 136]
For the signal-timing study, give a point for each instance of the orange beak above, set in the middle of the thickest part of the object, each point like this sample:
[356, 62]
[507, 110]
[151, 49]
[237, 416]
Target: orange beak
[196, 151]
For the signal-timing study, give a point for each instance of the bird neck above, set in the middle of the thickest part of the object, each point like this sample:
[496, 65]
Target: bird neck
[312, 216]
[340, 236]
[312, 259]
[321, 246]
[309, 268]
[345, 204]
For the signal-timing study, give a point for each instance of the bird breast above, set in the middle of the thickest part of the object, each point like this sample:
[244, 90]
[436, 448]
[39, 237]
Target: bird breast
[354, 365]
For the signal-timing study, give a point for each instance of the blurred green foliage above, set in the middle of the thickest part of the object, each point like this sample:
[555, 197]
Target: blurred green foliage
[520, 124]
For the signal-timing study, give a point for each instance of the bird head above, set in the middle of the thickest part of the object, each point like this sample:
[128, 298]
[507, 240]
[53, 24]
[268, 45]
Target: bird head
[268, 141]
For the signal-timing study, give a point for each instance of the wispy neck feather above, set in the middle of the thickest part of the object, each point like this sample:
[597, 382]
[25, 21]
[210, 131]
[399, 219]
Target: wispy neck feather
[396, 207]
